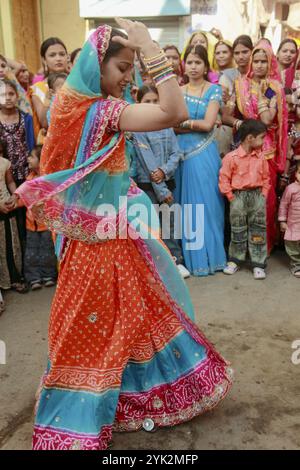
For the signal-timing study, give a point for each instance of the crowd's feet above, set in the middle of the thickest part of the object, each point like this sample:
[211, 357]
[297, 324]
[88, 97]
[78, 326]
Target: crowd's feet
[232, 268]
[183, 271]
[20, 287]
[37, 285]
[259, 274]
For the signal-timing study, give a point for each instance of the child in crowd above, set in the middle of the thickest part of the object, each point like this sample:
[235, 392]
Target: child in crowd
[289, 218]
[244, 180]
[10, 243]
[3, 67]
[40, 260]
[55, 83]
[157, 157]
[16, 130]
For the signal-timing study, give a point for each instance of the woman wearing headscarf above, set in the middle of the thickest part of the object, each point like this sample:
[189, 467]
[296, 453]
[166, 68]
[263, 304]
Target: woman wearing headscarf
[207, 40]
[260, 96]
[124, 353]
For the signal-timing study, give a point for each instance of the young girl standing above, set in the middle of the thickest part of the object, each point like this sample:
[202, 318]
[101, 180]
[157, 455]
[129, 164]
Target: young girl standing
[289, 218]
[16, 130]
[10, 245]
[157, 158]
[40, 261]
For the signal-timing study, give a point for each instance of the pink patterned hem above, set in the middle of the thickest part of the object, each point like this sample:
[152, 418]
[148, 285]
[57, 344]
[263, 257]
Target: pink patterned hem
[49, 438]
[187, 398]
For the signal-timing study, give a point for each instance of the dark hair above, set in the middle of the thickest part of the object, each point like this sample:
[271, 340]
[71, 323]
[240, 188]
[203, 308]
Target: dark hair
[174, 48]
[3, 58]
[286, 41]
[37, 149]
[74, 54]
[3, 146]
[297, 165]
[48, 43]
[243, 40]
[144, 90]
[114, 47]
[52, 77]
[251, 127]
[11, 84]
[259, 50]
[196, 33]
[200, 51]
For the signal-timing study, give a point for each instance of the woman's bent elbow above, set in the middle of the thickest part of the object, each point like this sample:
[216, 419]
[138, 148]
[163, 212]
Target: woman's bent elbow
[180, 117]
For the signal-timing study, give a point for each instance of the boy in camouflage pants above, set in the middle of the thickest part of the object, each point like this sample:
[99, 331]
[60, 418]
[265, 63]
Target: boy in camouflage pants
[244, 180]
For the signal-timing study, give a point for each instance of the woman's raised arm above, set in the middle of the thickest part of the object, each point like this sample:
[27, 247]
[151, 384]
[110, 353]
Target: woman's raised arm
[171, 110]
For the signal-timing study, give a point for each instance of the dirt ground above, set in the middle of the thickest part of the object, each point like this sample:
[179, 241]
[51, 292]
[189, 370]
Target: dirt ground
[252, 323]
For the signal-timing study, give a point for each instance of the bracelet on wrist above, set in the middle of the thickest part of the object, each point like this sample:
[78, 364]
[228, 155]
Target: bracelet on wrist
[185, 125]
[159, 68]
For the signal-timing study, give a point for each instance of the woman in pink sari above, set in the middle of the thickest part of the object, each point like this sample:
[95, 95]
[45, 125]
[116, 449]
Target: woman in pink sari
[260, 96]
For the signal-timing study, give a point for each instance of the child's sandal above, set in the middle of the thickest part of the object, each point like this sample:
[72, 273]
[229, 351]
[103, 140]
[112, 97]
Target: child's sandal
[20, 287]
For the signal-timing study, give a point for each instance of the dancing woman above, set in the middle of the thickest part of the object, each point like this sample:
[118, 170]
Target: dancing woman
[123, 350]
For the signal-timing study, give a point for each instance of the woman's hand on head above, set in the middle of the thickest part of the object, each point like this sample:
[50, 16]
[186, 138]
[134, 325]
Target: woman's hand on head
[138, 35]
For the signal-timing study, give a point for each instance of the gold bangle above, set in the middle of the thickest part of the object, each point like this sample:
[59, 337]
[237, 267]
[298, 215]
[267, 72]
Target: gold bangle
[192, 125]
[163, 80]
[162, 67]
[150, 59]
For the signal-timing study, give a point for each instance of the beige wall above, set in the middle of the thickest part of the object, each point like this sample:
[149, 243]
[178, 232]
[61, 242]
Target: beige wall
[7, 39]
[61, 18]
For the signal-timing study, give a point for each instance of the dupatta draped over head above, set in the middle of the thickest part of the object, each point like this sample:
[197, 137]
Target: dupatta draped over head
[275, 145]
[85, 193]
[122, 346]
[229, 45]
[83, 134]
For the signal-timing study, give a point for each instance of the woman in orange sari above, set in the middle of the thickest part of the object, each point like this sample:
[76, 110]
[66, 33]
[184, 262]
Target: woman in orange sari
[260, 96]
[124, 353]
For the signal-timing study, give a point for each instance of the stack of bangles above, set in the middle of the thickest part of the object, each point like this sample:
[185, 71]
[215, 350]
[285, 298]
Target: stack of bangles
[160, 68]
[187, 125]
[263, 107]
[237, 124]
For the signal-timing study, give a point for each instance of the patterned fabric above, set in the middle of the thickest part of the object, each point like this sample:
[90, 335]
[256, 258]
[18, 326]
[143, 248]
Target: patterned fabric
[122, 346]
[17, 150]
[5, 165]
[275, 142]
[10, 250]
[248, 228]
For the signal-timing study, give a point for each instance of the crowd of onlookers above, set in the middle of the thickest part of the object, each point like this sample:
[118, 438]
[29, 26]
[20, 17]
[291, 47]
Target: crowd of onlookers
[238, 155]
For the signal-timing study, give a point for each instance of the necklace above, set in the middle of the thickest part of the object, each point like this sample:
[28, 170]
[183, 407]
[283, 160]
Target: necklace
[198, 88]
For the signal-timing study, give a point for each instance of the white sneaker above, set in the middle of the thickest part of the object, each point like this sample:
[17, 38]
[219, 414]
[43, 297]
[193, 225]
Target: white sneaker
[259, 274]
[231, 268]
[183, 271]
